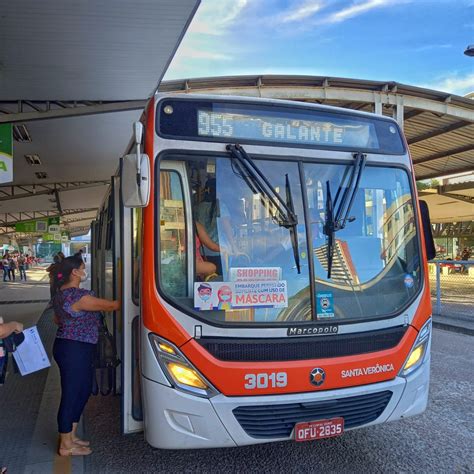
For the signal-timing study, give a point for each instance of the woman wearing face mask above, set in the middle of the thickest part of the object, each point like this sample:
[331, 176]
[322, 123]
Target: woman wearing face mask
[77, 313]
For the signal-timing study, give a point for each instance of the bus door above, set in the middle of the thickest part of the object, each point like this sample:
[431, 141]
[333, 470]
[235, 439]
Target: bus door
[131, 231]
[116, 323]
[176, 229]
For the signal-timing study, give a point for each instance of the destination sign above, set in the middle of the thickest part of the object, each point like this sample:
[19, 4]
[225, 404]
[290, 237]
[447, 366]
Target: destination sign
[336, 133]
[233, 121]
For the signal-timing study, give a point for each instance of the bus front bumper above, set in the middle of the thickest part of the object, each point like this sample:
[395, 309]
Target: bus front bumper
[176, 420]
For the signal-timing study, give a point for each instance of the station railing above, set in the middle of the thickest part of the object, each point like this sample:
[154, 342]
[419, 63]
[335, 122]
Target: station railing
[452, 287]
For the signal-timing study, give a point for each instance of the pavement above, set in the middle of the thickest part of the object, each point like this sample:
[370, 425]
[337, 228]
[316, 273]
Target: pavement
[440, 440]
[455, 322]
[28, 405]
[455, 311]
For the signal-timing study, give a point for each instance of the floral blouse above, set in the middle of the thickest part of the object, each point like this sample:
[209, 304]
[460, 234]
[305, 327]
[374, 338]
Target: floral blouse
[75, 325]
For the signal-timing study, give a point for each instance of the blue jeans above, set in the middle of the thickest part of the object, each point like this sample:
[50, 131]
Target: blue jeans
[75, 360]
[6, 274]
[21, 268]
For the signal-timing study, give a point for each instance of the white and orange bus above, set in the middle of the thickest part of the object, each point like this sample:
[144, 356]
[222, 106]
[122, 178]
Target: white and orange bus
[270, 257]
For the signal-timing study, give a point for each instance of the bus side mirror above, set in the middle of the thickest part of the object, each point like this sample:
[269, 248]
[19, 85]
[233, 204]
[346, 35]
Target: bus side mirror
[135, 180]
[135, 173]
[427, 231]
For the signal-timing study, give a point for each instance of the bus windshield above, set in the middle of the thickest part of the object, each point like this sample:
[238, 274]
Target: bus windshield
[245, 270]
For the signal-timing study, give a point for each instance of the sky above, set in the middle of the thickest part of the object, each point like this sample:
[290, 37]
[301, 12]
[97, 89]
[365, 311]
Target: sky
[415, 42]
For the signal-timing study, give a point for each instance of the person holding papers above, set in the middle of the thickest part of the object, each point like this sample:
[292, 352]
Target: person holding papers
[77, 313]
[9, 328]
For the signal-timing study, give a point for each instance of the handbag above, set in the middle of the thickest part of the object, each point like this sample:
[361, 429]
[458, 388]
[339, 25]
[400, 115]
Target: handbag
[105, 361]
[3, 363]
[106, 353]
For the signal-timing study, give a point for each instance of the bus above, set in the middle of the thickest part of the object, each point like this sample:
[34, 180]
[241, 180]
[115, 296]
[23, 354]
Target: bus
[271, 260]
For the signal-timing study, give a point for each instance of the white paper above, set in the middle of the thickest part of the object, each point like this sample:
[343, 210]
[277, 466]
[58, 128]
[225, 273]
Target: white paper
[30, 355]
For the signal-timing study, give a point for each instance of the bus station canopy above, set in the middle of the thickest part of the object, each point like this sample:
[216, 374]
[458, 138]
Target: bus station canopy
[439, 127]
[73, 125]
[74, 76]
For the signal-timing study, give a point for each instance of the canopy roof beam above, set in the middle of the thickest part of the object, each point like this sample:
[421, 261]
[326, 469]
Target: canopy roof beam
[313, 93]
[437, 174]
[445, 154]
[10, 219]
[449, 188]
[8, 193]
[450, 229]
[438, 132]
[66, 109]
[458, 197]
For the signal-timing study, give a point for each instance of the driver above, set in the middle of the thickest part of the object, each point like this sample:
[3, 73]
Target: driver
[213, 215]
[204, 269]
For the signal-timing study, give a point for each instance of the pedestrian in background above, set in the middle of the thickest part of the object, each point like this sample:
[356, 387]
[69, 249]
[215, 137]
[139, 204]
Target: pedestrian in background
[22, 266]
[11, 267]
[5, 267]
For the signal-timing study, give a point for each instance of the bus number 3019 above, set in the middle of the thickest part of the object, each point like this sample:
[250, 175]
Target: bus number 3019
[264, 380]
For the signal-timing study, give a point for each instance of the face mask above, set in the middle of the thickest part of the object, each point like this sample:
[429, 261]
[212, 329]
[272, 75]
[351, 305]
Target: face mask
[84, 276]
[205, 296]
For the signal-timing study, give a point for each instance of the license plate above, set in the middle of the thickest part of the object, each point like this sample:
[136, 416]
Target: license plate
[319, 429]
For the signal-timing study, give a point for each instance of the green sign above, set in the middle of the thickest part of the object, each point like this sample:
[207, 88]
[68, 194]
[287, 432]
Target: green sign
[6, 153]
[37, 225]
[56, 236]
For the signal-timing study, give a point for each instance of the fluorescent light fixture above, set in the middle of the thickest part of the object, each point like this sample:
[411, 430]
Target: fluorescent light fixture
[33, 160]
[21, 134]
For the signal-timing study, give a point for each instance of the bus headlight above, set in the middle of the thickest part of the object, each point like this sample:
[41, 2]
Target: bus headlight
[419, 350]
[181, 374]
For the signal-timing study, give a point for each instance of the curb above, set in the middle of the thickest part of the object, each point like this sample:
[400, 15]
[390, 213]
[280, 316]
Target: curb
[452, 328]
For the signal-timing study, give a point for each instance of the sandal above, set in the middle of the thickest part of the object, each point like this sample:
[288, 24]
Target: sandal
[81, 442]
[75, 451]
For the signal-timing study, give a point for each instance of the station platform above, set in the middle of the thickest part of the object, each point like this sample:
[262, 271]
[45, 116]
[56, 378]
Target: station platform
[28, 407]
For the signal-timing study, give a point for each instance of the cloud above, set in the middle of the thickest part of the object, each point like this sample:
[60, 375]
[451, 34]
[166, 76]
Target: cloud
[306, 10]
[200, 48]
[188, 52]
[359, 8]
[453, 83]
[428, 47]
[215, 17]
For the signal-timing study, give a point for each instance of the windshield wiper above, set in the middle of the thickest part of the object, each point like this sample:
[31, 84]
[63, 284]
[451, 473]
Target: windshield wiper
[335, 221]
[283, 213]
[293, 232]
[259, 184]
[329, 228]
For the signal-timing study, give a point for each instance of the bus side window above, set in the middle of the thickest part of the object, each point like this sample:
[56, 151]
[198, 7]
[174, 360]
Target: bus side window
[173, 247]
[136, 253]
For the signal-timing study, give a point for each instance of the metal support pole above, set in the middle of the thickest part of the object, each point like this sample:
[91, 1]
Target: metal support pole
[438, 288]
[398, 113]
[378, 104]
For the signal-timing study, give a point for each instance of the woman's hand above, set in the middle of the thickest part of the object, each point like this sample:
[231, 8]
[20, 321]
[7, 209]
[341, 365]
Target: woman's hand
[91, 303]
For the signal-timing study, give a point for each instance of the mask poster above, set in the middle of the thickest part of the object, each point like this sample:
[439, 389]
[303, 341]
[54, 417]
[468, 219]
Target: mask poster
[243, 294]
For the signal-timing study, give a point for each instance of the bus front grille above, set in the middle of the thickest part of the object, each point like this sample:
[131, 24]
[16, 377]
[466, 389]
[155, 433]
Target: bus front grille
[302, 348]
[278, 421]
